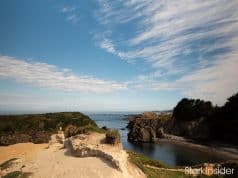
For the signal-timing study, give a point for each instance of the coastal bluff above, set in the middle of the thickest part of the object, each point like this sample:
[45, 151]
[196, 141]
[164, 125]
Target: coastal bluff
[79, 156]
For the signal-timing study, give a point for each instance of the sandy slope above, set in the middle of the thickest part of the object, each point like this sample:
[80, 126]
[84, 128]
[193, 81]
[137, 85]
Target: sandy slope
[26, 151]
[57, 162]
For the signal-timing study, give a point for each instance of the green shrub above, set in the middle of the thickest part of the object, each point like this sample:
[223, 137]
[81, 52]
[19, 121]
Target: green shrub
[37, 128]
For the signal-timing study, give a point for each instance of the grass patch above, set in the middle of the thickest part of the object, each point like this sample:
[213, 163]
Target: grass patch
[142, 162]
[153, 173]
[161, 170]
[7, 163]
[140, 159]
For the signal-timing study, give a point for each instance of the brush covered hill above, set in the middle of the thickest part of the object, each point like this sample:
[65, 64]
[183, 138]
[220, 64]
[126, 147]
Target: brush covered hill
[37, 128]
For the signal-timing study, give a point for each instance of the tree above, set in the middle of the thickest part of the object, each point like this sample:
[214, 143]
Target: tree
[192, 109]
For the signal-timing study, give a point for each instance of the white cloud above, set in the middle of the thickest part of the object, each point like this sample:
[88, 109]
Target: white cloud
[73, 18]
[71, 13]
[107, 45]
[67, 9]
[49, 76]
[216, 82]
[167, 32]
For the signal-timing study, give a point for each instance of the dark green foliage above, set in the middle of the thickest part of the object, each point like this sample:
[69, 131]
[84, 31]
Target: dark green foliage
[191, 109]
[224, 122]
[37, 128]
[42, 122]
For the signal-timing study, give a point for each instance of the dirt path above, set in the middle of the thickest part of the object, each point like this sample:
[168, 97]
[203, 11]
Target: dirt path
[167, 169]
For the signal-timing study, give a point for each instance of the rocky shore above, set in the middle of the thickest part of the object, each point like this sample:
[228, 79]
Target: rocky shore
[151, 128]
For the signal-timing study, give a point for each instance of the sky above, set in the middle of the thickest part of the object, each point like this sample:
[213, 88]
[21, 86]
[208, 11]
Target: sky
[120, 55]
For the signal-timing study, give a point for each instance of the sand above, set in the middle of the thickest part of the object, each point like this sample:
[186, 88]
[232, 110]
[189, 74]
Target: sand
[26, 151]
[55, 161]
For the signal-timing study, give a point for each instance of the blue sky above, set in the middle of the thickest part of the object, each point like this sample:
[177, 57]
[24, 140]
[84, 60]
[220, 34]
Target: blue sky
[122, 55]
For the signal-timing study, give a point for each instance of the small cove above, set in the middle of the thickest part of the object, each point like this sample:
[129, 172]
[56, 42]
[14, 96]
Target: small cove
[167, 152]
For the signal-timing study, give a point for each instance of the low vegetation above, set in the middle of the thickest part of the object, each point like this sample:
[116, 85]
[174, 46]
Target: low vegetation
[149, 115]
[17, 174]
[156, 169]
[37, 128]
[72, 130]
[7, 163]
[113, 137]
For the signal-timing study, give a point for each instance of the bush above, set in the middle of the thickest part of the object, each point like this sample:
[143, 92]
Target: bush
[113, 137]
[37, 128]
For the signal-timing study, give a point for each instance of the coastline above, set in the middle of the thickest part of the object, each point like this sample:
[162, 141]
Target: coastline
[226, 152]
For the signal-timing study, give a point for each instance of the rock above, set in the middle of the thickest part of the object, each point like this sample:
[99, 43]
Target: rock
[58, 138]
[189, 129]
[104, 128]
[148, 127]
[160, 133]
[92, 146]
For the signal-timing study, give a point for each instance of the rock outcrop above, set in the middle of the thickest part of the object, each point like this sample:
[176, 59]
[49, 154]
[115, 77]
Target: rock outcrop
[145, 128]
[149, 129]
[95, 145]
[197, 130]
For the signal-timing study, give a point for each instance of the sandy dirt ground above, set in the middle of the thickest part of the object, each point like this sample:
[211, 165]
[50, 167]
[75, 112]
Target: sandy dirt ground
[26, 151]
[57, 162]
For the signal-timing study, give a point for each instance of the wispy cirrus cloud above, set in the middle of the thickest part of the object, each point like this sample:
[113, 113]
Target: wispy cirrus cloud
[216, 82]
[68, 9]
[71, 13]
[49, 76]
[184, 39]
